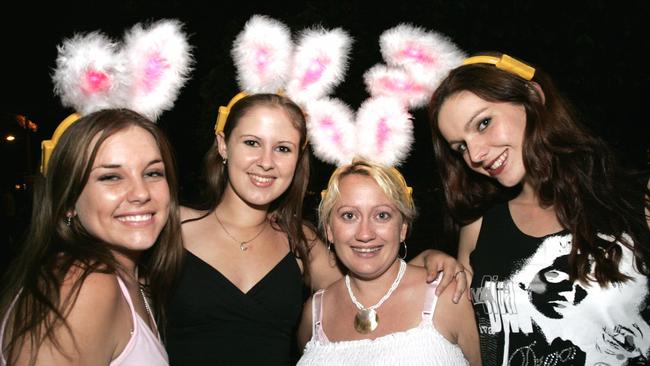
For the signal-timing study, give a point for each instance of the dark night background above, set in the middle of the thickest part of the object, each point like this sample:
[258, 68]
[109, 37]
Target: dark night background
[595, 50]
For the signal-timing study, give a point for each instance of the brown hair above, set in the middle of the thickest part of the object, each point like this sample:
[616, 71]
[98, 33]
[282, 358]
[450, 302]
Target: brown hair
[568, 167]
[52, 248]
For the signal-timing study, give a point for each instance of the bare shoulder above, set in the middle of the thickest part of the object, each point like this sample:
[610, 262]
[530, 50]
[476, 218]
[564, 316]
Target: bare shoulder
[95, 318]
[98, 298]
[449, 316]
[188, 213]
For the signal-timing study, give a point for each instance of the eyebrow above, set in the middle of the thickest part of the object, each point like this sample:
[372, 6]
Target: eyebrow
[259, 138]
[115, 166]
[469, 122]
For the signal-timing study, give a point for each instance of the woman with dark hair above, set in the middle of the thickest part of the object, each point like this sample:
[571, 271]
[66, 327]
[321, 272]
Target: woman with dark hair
[525, 179]
[104, 237]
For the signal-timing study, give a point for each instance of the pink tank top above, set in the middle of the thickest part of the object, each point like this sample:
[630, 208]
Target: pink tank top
[144, 347]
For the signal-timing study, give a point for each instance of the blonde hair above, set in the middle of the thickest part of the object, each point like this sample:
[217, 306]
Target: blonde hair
[389, 179]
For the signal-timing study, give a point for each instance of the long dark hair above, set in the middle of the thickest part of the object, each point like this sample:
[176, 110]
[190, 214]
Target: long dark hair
[568, 167]
[52, 248]
[286, 209]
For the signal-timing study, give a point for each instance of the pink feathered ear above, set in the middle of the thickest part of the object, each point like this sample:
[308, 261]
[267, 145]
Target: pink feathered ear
[399, 83]
[426, 56]
[384, 131]
[262, 53]
[319, 64]
[89, 74]
[332, 132]
[144, 74]
[160, 62]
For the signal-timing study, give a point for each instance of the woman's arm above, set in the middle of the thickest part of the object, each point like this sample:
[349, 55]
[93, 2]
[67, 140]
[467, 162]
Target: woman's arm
[305, 328]
[466, 244]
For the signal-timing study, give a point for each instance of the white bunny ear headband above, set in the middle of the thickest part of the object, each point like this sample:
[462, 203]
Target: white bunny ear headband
[143, 73]
[382, 131]
[267, 61]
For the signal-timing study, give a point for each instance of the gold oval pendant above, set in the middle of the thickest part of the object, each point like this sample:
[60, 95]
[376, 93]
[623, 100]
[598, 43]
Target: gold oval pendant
[366, 321]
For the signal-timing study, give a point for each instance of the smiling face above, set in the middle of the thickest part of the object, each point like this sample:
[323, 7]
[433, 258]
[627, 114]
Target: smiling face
[488, 135]
[262, 153]
[365, 226]
[125, 202]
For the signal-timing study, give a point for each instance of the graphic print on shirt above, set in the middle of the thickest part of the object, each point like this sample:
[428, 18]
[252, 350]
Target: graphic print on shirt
[540, 317]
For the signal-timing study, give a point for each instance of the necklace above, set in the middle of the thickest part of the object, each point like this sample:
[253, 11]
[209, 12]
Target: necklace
[366, 319]
[146, 303]
[243, 245]
[144, 299]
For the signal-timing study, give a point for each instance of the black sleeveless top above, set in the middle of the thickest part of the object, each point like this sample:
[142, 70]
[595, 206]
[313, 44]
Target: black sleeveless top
[211, 322]
[529, 312]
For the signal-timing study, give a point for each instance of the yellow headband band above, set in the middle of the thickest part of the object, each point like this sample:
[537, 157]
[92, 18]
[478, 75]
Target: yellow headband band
[505, 63]
[225, 111]
[47, 146]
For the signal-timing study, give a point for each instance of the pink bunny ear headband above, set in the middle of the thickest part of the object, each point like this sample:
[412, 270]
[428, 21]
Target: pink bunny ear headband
[416, 62]
[144, 73]
[267, 61]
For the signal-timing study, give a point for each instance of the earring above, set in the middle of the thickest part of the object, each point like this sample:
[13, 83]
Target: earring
[68, 220]
[225, 161]
[405, 251]
[329, 246]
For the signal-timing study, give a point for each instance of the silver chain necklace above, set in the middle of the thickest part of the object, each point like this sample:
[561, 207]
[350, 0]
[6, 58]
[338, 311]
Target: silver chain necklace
[366, 319]
[243, 245]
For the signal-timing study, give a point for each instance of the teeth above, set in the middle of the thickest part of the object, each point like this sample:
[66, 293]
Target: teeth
[366, 250]
[261, 179]
[497, 164]
[135, 218]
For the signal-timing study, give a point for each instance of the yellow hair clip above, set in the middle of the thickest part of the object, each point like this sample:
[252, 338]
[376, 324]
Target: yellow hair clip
[47, 146]
[225, 111]
[505, 63]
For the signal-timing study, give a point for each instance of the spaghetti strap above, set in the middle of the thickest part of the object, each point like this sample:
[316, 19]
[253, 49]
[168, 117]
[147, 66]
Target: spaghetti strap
[430, 301]
[317, 317]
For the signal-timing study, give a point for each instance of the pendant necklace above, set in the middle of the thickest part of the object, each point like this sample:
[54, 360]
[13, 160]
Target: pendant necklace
[243, 245]
[144, 299]
[366, 319]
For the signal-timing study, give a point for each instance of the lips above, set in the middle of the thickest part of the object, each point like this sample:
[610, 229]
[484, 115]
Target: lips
[498, 164]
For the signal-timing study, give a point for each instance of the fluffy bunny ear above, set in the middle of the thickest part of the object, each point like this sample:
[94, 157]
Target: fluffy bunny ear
[332, 132]
[160, 62]
[384, 131]
[396, 82]
[319, 63]
[262, 55]
[428, 55]
[89, 75]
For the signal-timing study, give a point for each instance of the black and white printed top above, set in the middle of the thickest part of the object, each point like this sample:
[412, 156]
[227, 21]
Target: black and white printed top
[530, 313]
